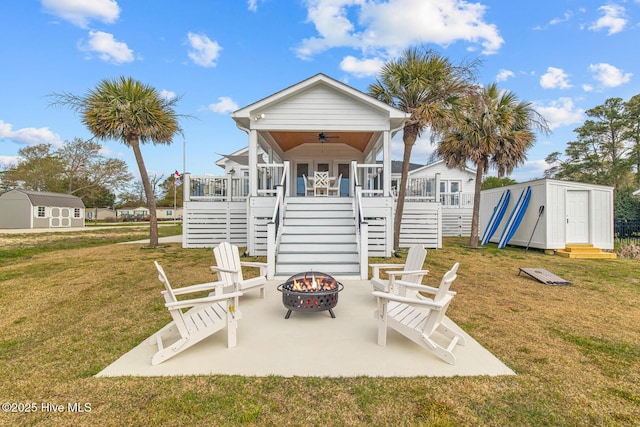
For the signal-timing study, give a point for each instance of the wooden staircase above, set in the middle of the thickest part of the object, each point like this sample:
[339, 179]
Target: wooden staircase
[584, 250]
[319, 234]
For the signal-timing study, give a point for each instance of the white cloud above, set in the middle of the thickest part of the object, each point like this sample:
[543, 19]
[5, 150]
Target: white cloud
[167, 94]
[253, 5]
[608, 75]
[7, 162]
[80, 12]
[204, 51]
[224, 105]
[561, 112]
[532, 169]
[29, 136]
[107, 48]
[396, 24]
[614, 19]
[503, 75]
[361, 67]
[555, 78]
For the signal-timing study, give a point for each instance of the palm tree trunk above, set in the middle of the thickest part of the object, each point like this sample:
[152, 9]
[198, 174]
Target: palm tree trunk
[148, 190]
[409, 136]
[475, 217]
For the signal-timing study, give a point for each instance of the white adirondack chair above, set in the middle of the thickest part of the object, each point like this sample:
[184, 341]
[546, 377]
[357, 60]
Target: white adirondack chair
[410, 271]
[419, 318]
[229, 269]
[203, 317]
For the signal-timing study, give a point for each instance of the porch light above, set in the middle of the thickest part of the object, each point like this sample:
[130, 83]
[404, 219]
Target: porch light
[259, 116]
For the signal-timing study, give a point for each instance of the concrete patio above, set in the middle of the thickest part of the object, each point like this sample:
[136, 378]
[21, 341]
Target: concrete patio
[309, 344]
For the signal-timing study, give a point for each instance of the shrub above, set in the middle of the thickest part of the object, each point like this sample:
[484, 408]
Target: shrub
[629, 250]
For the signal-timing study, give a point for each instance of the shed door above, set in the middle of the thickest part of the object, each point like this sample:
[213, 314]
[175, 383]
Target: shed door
[60, 217]
[577, 217]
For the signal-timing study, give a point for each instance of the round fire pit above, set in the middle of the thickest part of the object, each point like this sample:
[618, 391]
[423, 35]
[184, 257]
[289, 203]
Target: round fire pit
[310, 291]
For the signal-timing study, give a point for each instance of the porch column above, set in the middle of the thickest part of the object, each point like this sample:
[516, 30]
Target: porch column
[253, 162]
[386, 163]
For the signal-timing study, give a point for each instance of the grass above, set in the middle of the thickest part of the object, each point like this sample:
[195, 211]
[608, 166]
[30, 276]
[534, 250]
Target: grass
[70, 305]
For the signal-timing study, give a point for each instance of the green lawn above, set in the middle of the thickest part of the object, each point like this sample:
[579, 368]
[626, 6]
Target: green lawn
[70, 305]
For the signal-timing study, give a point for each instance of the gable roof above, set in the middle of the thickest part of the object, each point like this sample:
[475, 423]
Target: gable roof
[43, 198]
[243, 115]
[430, 165]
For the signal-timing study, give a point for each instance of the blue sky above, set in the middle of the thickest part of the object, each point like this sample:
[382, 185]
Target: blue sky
[563, 56]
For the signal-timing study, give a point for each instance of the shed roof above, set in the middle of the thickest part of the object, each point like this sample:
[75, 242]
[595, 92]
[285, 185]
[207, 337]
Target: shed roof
[42, 198]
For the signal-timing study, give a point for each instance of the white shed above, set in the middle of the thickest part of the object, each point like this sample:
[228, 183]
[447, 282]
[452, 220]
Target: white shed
[573, 213]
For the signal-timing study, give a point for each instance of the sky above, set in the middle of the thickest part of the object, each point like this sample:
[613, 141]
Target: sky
[564, 57]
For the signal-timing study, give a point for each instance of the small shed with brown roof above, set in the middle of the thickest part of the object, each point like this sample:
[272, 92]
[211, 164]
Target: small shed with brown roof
[35, 209]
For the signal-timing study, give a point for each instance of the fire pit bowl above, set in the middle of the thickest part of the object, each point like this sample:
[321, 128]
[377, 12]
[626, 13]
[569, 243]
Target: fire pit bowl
[310, 291]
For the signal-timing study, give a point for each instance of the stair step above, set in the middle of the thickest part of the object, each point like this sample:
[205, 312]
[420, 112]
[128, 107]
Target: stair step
[319, 257]
[587, 255]
[319, 200]
[318, 213]
[301, 229]
[320, 221]
[334, 269]
[318, 247]
[306, 238]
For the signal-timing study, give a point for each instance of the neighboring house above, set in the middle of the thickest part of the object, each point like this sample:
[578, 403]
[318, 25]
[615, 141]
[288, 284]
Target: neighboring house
[33, 209]
[133, 212]
[99, 214]
[163, 213]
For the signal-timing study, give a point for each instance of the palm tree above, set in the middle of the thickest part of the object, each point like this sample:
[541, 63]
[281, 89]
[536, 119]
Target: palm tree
[493, 128]
[130, 111]
[426, 85]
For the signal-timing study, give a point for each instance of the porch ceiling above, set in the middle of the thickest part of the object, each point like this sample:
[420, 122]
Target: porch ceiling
[288, 140]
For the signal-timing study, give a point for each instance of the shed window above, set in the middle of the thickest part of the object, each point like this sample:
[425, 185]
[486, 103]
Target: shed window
[41, 212]
[76, 212]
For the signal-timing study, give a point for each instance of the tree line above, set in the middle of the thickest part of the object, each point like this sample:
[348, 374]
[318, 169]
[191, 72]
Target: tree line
[606, 152]
[80, 168]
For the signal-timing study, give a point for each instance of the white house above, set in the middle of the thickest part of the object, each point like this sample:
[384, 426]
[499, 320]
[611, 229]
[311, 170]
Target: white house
[313, 188]
[559, 213]
[37, 209]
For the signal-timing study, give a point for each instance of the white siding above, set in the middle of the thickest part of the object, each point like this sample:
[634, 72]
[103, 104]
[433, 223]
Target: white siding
[208, 223]
[550, 233]
[421, 224]
[322, 108]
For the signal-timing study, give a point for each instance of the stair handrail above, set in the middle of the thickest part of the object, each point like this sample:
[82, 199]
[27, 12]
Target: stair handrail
[274, 226]
[362, 227]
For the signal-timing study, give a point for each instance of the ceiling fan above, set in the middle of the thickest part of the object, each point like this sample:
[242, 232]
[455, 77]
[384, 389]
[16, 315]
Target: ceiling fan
[323, 137]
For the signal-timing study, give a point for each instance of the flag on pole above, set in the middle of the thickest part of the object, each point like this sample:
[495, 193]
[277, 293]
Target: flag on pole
[177, 174]
[177, 181]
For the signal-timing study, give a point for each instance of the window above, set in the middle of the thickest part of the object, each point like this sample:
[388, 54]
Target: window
[76, 212]
[41, 211]
[168, 213]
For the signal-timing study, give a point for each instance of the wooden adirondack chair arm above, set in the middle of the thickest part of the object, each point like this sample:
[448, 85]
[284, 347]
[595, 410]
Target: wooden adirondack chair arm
[197, 288]
[421, 288]
[412, 301]
[375, 268]
[215, 268]
[408, 272]
[199, 301]
[261, 265]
